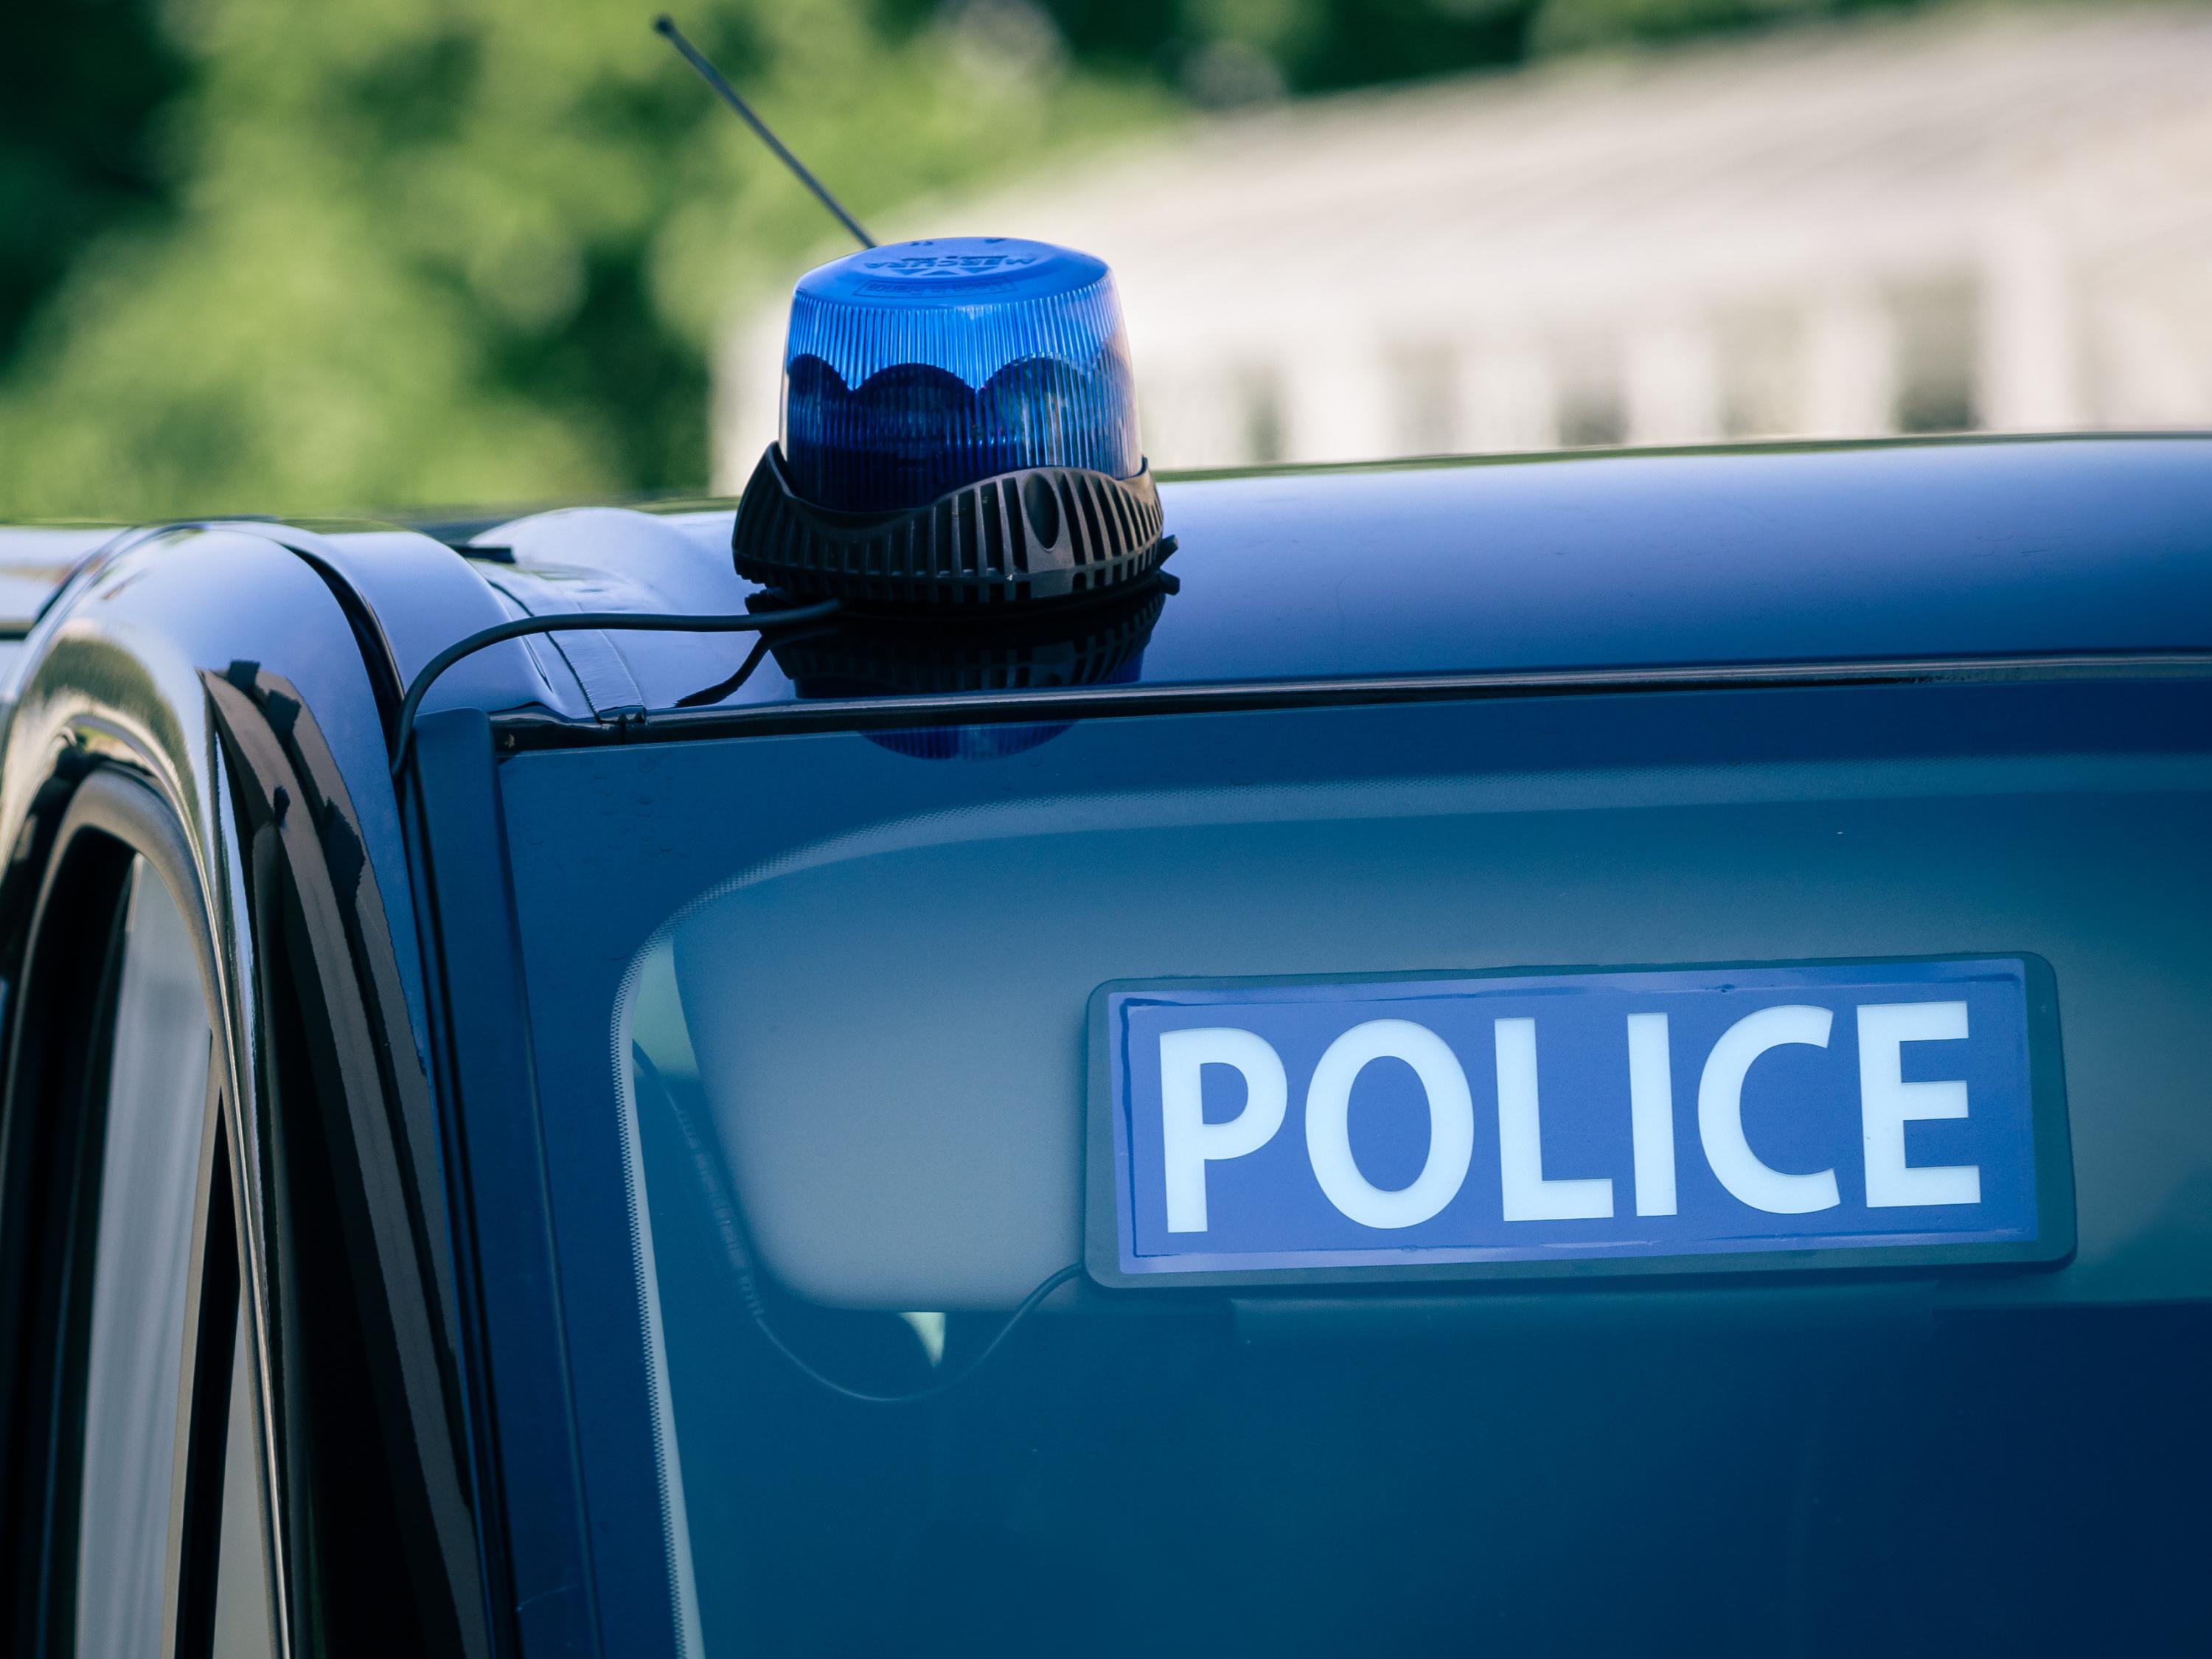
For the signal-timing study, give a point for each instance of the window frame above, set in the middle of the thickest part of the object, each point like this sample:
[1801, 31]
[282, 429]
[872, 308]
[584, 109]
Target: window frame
[539, 1535]
[380, 1513]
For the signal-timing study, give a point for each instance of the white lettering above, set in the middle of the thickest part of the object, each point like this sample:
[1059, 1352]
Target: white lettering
[1528, 1196]
[1652, 1113]
[1720, 1112]
[1188, 1142]
[1887, 1102]
[1328, 1117]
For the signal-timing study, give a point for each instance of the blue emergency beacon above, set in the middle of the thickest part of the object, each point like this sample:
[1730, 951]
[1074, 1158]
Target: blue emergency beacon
[959, 428]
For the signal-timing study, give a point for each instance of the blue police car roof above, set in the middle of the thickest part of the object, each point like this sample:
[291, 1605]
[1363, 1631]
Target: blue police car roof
[1805, 555]
[1580, 564]
[1808, 554]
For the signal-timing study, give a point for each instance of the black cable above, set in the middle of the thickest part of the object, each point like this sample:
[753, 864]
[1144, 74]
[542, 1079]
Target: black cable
[737, 1256]
[402, 729]
[722, 688]
[750, 1293]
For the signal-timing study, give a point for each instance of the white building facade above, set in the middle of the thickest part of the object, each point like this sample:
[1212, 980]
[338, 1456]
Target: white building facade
[1966, 219]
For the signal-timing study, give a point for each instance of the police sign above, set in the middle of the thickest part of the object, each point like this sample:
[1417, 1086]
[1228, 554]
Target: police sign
[1682, 1119]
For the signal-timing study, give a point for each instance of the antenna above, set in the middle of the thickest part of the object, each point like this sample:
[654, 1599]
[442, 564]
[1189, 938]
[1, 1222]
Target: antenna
[728, 94]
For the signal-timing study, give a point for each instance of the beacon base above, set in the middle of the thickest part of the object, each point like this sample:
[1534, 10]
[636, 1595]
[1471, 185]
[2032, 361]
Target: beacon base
[1037, 535]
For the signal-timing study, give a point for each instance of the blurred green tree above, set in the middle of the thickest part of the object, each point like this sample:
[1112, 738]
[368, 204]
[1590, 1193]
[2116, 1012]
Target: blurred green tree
[81, 82]
[1572, 25]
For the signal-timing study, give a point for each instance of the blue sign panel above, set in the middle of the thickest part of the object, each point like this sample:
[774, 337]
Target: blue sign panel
[1412, 1126]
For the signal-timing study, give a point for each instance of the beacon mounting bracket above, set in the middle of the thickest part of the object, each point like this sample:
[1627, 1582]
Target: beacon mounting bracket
[1038, 534]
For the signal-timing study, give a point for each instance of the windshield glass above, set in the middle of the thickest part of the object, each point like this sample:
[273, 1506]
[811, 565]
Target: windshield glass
[813, 1024]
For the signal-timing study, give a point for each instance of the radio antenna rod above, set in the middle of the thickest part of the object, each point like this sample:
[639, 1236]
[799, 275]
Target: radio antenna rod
[728, 94]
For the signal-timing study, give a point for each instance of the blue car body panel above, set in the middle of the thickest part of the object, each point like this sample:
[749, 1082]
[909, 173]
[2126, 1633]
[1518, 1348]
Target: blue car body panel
[1888, 553]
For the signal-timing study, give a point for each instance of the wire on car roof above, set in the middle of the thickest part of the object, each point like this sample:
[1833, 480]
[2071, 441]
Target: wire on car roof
[402, 728]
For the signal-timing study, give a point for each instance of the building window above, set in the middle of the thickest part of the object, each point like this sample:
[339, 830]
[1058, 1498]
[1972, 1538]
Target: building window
[1762, 370]
[1260, 408]
[1424, 399]
[1593, 410]
[1935, 331]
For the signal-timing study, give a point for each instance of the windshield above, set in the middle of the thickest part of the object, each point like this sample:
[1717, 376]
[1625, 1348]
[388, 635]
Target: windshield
[813, 1017]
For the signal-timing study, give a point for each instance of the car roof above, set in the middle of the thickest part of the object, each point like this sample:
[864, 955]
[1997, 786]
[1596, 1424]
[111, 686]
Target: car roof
[1579, 562]
[1816, 554]
[1749, 555]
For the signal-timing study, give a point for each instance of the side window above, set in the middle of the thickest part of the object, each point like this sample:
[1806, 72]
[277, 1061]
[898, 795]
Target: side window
[149, 1165]
[132, 1500]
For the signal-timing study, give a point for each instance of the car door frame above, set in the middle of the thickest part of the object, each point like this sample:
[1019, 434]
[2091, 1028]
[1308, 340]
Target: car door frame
[146, 670]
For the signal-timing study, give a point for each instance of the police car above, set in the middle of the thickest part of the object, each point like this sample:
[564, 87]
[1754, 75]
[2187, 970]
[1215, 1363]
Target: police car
[976, 1053]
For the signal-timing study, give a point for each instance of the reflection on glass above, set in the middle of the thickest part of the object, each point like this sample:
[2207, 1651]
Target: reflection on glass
[149, 1167]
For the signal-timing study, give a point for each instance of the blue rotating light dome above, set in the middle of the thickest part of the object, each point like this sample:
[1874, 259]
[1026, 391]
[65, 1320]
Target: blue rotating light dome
[914, 368]
[959, 426]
